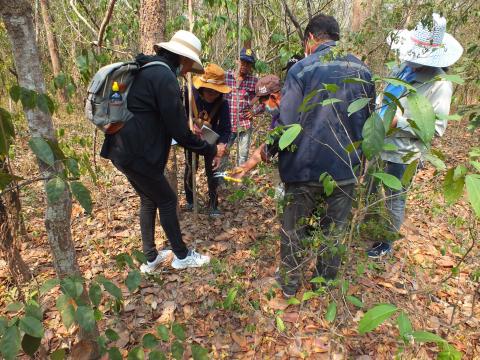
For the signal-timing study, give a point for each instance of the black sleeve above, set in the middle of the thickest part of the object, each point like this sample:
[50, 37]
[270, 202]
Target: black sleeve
[172, 111]
[224, 126]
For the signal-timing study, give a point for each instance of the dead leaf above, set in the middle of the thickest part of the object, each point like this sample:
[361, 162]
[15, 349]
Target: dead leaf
[167, 313]
[291, 317]
[240, 340]
[445, 261]
[83, 350]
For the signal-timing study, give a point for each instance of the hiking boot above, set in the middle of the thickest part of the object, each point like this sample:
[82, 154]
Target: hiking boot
[193, 259]
[151, 266]
[379, 250]
[214, 212]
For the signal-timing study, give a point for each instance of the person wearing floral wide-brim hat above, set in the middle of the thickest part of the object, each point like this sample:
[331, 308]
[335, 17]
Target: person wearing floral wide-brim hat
[425, 53]
[209, 109]
[140, 148]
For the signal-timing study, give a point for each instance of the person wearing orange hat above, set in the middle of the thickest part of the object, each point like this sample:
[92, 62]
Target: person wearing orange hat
[211, 112]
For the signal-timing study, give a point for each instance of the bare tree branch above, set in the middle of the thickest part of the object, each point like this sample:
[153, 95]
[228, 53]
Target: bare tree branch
[294, 20]
[89, 14]
[82, 18]
[105, 21]
[309, 9]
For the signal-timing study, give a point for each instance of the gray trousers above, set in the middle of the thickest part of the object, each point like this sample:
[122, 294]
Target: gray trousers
[244, 140]
[310, 216]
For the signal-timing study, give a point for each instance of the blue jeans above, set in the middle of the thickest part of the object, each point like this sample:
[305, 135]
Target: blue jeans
[395, 199]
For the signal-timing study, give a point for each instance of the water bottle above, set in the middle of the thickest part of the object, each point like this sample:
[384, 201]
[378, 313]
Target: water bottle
[115, 104]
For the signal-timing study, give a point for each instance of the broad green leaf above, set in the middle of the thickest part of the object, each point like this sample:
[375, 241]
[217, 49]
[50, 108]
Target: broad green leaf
[123, 259]
[162, 331]
[389, 115]
[423, 115]
[354, 300]
[452, 189]
[425, 337]
[357, 105]
[114, 354]
[133, 280]
[45, 103]
[6, 179]
[199, 353]
[435, 161]
[373, 136]
[353, 146]
[306, 105]
[30, 344]
[389, 147]
[112, 335]
[49, 285]
[15, 92]
[157, 355]
[43, 151]
[289, 136]
[449, 117]
[68, 315]
[112, 289]
[28, 98]
[454, 78]
[3, 325]
[34, 310]
[309, 295]
[293, 301]
[333, 88]
[331, 312]
[280, 324]
[409, 173]
[139, 256]
[31, 326]
[328, 185]
[15, 307]
[72, 166]
[356, 81]
[177, 350]
[375, 316]
[10, 343]
[7, 131]
[136, 353]
[149, 341]
[60, 81]
[389, 180]
[473, 191]
[178, 331]
[95, 294]
[330, 101]
[58, 354]
[230, 299]
[394, 100]
[404, 325]
[398, 82]
[72, 286]
[82, 194]
[475, 164]
[448, 352]
[55, 188]
[85, 318]
[460, 172]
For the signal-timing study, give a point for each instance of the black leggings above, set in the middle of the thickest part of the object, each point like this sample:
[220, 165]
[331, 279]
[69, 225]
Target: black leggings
[156, 193]
[212, 182]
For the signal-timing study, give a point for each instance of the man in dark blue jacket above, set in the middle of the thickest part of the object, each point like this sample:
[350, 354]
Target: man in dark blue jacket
[316, 95]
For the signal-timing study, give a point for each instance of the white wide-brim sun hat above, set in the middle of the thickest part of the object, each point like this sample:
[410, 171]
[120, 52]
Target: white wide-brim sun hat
[185, 43]
[428, 45]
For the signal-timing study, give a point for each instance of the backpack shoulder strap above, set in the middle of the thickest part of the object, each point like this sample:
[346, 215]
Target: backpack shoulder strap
[215, 109]
[153, 63]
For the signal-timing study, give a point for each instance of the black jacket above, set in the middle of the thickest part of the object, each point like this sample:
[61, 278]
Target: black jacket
[143, 144]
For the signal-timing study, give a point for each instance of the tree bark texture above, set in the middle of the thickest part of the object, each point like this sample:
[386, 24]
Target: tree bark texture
[361, 10]
[52, 44]
[152, 24]
[17, 17]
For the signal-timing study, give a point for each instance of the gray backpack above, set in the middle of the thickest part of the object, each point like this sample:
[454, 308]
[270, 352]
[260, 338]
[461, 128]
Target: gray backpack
[97, 104]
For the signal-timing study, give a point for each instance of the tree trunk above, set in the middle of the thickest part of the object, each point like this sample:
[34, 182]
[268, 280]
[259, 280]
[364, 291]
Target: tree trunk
[361, 11]
[152, 24]
[152, 31]
[17, 17]
[52, 45]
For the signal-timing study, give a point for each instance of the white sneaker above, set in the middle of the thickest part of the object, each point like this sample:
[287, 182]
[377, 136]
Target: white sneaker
[150, 267]
[193, 259]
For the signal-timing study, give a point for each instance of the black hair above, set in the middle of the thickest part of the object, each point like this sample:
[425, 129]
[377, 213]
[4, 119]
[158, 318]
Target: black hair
[322, 26]
[170, 57]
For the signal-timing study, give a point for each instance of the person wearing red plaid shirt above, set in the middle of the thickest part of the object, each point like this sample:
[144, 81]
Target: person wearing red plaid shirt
[243, 84]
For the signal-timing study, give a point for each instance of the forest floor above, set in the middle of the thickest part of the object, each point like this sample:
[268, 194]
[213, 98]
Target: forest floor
[233, 308]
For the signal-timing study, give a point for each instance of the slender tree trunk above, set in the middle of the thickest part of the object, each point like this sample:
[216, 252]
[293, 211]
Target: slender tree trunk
[152, 24]
[247, 22]
[361, 11]
[17, 17]
[52, 44]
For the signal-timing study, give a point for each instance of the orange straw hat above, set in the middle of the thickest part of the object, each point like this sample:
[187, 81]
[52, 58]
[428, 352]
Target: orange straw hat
[213, 78]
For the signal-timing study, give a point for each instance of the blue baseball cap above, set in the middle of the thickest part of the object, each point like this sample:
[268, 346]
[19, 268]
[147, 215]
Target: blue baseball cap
[247, 55]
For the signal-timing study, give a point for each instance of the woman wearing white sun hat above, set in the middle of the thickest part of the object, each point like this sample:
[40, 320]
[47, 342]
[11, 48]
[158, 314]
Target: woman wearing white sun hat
[140, 149]
[424, 52]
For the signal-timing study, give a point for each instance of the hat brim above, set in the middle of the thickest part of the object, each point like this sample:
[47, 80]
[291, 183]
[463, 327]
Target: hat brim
[221, 88]
[442, 56]
[247, 59]
[181, 50]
